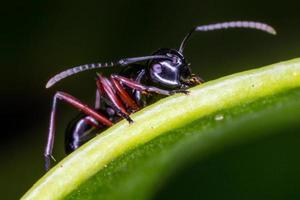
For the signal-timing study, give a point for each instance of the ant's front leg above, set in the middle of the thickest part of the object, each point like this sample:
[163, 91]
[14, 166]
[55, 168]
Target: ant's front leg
[77, 104]
[106, 87]
[135, 85]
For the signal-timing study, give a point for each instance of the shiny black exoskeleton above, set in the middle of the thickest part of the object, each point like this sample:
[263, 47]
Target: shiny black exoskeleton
[163, 73]
[169, 74]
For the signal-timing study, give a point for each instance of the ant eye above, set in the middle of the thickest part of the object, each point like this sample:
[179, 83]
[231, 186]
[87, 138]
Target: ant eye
[157, 68]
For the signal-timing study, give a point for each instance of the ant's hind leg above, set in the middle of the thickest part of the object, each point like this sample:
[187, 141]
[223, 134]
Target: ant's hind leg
[75, 103]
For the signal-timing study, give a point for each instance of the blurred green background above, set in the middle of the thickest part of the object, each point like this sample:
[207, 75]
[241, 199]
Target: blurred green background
[41, 38]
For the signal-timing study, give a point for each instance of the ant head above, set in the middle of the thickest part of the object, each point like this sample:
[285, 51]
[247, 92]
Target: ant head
[170, 73]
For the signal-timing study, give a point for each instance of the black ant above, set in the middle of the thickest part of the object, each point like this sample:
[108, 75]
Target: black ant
[165, 72]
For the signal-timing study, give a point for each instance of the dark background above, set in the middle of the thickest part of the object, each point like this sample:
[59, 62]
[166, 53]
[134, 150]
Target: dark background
[41, 38]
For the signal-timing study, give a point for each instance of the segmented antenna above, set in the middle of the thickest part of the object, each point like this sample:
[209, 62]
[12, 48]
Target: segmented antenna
[226, 25]
[81, 68]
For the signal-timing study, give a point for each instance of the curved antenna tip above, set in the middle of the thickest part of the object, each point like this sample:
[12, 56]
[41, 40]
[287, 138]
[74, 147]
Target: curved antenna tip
[49, 83]
[273, 32]
[270, 30]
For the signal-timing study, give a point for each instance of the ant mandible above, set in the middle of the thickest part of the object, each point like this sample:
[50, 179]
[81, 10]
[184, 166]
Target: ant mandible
[165, 72]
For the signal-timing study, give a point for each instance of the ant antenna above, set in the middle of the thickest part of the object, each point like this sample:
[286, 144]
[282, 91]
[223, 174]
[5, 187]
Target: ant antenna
[226, 25]
[81, 68]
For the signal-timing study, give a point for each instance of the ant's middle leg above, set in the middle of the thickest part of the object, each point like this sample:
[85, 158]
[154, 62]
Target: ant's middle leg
[97, 100]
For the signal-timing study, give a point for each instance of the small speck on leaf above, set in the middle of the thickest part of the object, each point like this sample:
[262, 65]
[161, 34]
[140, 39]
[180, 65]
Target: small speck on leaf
[219, 117]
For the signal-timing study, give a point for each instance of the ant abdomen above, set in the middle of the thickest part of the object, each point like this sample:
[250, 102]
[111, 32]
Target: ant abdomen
[79, 131]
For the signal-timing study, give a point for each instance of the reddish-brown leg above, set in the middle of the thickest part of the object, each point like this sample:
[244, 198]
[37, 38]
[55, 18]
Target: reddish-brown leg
[106, 87]
[97, 100]
[124, 95]
[77, 104]
[135, 85]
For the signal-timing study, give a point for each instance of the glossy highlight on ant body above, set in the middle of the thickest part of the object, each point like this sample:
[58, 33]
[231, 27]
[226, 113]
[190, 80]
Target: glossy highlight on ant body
[165, 72]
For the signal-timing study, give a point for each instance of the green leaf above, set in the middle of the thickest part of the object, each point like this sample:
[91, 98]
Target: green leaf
[133, 161]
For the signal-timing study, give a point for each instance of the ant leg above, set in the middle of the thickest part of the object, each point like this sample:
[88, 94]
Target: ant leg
[77, 104]
[127, 99]
[106, 87]
[98, 100]
[145, 89]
